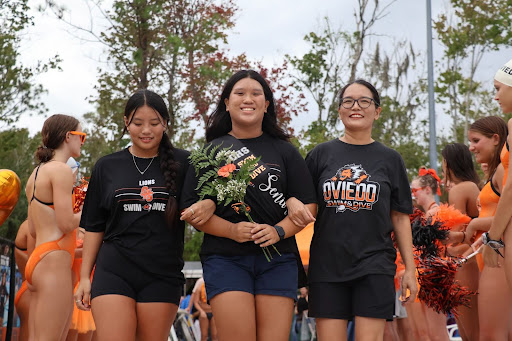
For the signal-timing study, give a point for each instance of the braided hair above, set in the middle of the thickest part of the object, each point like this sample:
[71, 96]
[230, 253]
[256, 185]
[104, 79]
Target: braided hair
[168, 165]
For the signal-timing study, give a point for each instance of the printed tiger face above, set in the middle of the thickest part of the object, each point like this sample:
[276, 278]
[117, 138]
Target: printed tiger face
[353, 173]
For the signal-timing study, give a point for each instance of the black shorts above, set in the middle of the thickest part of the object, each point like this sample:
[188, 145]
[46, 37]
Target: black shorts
[116, 275]
[369, 296]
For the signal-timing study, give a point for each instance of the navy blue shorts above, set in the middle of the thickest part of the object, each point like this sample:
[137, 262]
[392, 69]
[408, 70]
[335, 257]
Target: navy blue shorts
[252, 274]
[116, 275]
[368, 296]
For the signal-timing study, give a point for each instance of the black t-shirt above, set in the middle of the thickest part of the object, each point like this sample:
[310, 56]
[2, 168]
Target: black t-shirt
[130, 209]
[302, 304]
[357, 187]
[280, 174]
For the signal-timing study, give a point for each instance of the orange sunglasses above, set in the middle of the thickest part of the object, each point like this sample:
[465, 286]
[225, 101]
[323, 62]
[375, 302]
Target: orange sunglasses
[414, 190]
[79, 133]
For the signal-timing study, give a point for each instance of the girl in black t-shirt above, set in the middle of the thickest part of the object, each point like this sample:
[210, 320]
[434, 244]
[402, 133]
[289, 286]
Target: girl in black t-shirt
[250, 296]
[133, 235]
[363, 195]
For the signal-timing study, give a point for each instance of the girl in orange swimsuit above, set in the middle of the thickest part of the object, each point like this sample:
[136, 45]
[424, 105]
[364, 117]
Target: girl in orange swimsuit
[52, 223]
[459, 171]
[500, 224]
[487, 138]
[23, 246]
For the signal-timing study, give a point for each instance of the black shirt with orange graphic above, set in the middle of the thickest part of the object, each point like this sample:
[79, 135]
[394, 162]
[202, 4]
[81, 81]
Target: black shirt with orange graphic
[129, 208]
[280, 174]
[357, 186]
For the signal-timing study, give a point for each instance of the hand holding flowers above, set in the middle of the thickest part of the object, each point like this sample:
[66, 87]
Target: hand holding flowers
[223, 180]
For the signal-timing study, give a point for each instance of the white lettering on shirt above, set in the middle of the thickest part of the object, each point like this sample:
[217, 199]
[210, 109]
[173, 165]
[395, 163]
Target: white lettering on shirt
[274, 193]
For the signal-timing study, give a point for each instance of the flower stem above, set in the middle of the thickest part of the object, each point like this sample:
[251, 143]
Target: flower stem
[266, 250]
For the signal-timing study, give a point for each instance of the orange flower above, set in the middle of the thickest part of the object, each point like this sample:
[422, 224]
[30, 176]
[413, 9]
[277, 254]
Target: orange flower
[226, 170]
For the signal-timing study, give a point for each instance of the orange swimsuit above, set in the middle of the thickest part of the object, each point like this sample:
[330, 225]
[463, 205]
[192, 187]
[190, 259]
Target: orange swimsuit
[488, 199]
[66, 243]
[20, 293]
[504, 161]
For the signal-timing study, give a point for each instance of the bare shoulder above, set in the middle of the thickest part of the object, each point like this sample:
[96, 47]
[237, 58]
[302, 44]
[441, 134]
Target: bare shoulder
[463, 190]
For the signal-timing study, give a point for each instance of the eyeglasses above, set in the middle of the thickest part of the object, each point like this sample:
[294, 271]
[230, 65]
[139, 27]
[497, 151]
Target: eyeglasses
[363, 102]
[414, 190]
[79, 133]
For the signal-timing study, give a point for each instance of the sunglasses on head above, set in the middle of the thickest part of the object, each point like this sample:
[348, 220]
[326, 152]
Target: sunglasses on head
[79, 133]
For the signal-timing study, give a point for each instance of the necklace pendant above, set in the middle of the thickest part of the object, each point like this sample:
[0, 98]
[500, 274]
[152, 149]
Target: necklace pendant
[144, 171]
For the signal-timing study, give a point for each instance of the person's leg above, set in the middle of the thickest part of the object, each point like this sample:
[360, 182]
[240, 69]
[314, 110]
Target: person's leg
[72, 335]
[436, 324]
[213, 329]
[331, 329]
[468, 276]
[369, 328]
[507, 239]
[23, 309]
[274, 316]
[51, 280]
[390, 331]
[115, 317]
[418, 321]
[203, 326]
[494, 304]
[154, 320]
[85, 336]
[404, 329]
[236, 306]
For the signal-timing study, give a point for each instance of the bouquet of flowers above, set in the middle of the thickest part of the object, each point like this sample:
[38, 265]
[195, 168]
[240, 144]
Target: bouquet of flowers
[224, 180]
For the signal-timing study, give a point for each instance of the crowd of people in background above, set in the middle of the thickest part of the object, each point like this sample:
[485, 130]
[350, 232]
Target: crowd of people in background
[112, 270]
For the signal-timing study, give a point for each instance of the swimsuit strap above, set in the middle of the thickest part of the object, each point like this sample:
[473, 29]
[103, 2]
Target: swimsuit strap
[34, 191]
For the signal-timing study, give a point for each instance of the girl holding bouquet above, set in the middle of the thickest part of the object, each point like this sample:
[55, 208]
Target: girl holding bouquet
[459, 171]
[133, 234]
[241, 284]
[363, 195]
[52, 222]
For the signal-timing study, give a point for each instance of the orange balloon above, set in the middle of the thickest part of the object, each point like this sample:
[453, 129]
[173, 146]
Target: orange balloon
[10, 187]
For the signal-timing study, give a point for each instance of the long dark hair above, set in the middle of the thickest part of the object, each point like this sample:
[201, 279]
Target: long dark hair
[53, 135]
[168, 165]
[488, 126]
[459, 163]
[375, 93]
[219, 122]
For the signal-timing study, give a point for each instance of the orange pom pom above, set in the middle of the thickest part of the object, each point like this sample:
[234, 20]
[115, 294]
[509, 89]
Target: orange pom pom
[450, 217]
[79, 193]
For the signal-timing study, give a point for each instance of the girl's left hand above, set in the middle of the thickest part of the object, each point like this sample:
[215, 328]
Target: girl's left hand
[409, 284]
[299, 214]
[265, 235]
[199, 213]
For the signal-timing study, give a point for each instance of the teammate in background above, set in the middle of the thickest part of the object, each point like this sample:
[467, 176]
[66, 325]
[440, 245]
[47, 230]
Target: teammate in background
[23, 246]
[459, 170]
[52, 223]
[133, 233]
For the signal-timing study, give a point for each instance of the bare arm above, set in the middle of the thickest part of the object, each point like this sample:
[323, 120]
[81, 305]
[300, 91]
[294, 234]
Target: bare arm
[62, 185]
[403, 234]
[199, 213]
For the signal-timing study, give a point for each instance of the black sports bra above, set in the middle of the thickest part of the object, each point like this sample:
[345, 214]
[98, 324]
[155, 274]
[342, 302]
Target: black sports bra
[34, 191]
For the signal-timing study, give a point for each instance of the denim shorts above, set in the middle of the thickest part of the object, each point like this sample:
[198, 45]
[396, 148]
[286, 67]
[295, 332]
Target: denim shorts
[252, 274]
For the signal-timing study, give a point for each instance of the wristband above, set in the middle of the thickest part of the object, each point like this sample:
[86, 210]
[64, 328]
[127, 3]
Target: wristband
[280, 232]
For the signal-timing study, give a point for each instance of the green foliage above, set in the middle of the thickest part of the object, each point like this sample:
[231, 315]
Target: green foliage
[193, 241]
[15, 154]
[19, 93]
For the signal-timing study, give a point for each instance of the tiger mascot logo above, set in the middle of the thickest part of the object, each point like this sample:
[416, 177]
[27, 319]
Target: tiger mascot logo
[351, 189]
[351, 173]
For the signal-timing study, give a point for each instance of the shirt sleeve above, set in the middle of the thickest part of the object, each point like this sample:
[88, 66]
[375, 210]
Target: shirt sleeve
[299, 181]
[401, 199]
[94, 216]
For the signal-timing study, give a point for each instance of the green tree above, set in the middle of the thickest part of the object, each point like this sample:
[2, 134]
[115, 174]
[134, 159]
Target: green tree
[468, 31]
[19, 93]
[15, 154]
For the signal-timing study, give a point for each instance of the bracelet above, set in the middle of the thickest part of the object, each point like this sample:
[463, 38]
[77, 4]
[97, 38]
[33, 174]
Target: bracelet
[463, 237]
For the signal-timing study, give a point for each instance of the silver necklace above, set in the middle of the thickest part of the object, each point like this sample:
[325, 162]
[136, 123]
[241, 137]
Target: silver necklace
[135, 163]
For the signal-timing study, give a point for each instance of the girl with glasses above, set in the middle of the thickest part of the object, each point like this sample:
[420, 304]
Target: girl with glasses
[53, 223]
[363, 195]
